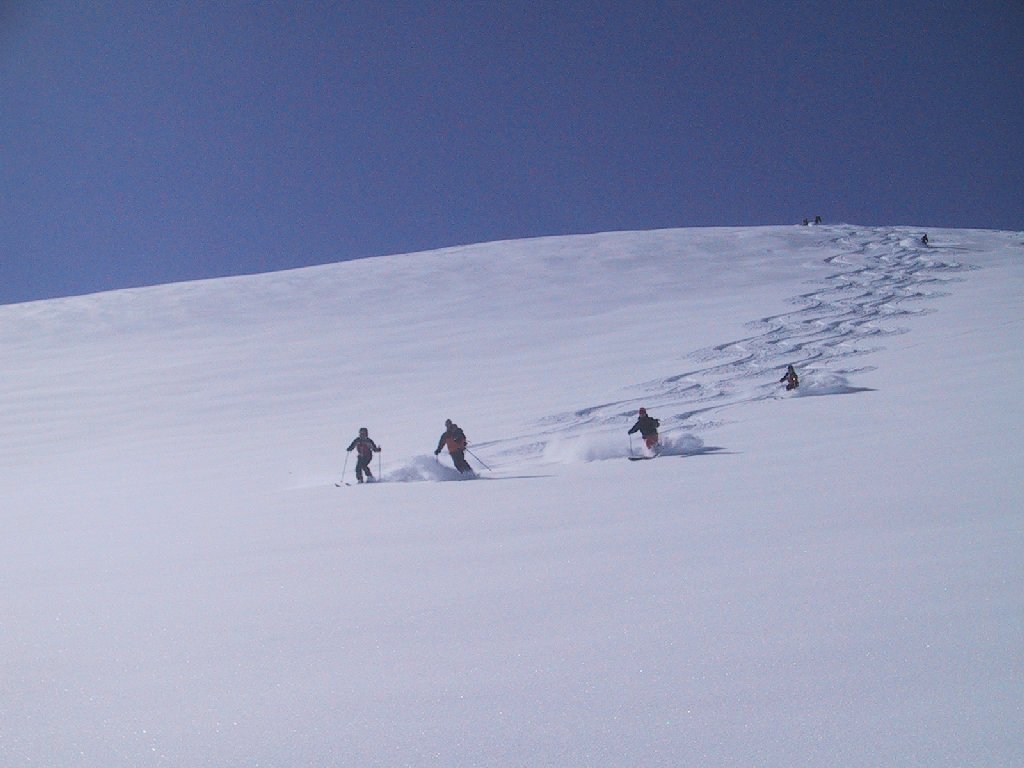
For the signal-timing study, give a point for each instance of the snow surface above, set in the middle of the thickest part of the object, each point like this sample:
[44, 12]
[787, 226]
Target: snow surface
[831, 577]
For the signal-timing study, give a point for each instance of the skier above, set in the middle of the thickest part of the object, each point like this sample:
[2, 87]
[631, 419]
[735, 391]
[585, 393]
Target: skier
[455, 440]
[648, 428]
[924, 240]
[790, 377]
[364, 448]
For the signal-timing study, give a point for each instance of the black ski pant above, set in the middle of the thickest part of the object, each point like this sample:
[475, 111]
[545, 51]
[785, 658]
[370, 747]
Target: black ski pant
[459, 460]
[363, 465]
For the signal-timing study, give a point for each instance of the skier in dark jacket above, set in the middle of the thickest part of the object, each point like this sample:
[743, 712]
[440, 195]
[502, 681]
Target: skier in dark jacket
[790, 377]
[364, 448]
[648, 429]
[454, 439]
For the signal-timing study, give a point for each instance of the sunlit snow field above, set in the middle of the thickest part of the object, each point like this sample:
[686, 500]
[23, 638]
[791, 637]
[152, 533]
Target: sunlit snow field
[829, 577]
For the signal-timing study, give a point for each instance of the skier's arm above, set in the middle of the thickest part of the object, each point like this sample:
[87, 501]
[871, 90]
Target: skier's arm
[352, 444]
[634, 428]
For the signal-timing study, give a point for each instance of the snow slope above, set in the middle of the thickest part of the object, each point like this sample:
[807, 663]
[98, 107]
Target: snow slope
[830, 577]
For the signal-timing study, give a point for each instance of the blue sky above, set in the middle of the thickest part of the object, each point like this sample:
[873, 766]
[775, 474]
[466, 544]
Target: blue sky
[144, 142]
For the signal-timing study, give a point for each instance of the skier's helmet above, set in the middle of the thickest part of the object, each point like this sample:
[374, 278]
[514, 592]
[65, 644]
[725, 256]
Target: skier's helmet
[364, 431]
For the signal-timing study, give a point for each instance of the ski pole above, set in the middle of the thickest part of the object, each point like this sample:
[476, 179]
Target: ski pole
[478, 459]
[380, 473]
[630, 445]
[345, 467]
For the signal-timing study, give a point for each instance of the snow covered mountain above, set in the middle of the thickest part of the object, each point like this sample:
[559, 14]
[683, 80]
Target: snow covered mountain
[828, 577]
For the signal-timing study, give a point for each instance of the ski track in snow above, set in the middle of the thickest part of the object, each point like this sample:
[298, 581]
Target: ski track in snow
[877, 281]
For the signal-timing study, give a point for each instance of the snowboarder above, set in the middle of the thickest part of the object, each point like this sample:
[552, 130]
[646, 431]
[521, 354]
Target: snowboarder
[790, 377]
[455, 440]
[364, 448]
[647, 426]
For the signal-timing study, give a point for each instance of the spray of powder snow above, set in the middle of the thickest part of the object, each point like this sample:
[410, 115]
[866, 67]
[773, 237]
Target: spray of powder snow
[600, 447]
[817, 382]
[426, 469]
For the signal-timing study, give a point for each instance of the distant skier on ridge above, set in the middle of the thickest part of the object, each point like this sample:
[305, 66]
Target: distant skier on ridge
[455, 440]
[647, 426]
[364, 448]
[790, 377]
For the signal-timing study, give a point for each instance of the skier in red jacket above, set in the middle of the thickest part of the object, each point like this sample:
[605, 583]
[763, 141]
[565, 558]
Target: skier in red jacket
[454, 439]
[364, 448]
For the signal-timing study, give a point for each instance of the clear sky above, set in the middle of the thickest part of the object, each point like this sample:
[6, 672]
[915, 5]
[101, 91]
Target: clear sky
[149, 142]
